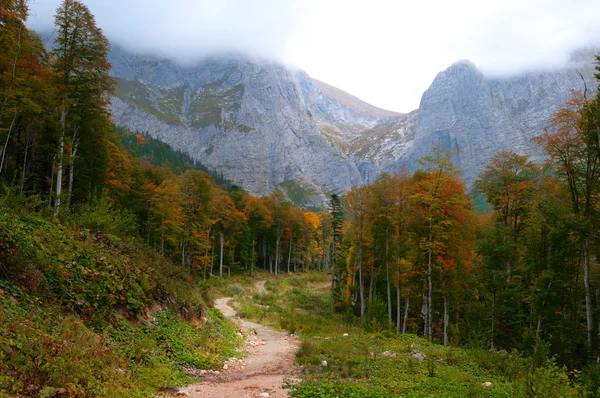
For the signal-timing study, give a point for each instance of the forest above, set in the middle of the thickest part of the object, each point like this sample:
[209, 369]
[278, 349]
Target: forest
[510, 265]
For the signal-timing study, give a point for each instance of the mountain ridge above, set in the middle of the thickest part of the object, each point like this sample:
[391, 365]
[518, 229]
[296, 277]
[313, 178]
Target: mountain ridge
[266, 127]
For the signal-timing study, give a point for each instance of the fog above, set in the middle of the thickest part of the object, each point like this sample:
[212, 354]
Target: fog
[385, 52]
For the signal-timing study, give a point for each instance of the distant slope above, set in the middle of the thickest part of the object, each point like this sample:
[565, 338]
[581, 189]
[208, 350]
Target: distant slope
[351, 101]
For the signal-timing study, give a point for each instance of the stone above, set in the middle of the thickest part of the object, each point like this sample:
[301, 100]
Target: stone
[419, 356]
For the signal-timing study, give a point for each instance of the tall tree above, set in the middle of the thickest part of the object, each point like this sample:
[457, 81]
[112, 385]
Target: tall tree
[337, 218]
[572, 146]
[80, 61]
[440, 203]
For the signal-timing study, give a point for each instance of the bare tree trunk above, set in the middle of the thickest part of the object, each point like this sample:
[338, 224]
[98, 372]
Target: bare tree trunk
[429, 282]
[4, 150]
[588, 296]
[405, 312]
[51, 185]
[398, 312]
[72, 168]
[277, 254]
[264, 246]
[289, 256]
[387, 274]
[222, 241]
[231, 260]
[493, 318]
[446, 320]
[24, 171]
[212, 257]
[361, 287]
[253, 257]
[333, 280]
[60, 156]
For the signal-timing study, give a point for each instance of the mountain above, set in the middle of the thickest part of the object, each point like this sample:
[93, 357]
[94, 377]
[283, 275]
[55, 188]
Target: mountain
[266, 127]
[258, 123]
[476, 116]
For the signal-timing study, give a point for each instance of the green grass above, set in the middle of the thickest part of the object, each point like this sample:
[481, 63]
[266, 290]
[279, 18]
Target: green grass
[386, 364]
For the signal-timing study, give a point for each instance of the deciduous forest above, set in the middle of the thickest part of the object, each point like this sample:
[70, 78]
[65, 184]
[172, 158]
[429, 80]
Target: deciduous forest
[102, 229]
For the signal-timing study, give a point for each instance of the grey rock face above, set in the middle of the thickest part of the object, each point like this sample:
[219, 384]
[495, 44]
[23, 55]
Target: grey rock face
[476, 116]
[265, 126]
[258, 123]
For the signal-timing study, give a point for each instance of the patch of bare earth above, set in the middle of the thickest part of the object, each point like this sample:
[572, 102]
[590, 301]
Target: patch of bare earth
[268, 362]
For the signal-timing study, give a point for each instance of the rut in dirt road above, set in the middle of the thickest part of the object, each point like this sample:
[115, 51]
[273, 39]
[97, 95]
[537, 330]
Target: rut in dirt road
[266, 369]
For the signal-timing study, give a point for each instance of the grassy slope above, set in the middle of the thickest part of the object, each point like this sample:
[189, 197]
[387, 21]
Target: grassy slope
[383, 364]
[83, 313]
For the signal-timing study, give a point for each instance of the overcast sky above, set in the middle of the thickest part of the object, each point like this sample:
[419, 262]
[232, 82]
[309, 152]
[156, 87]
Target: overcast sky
[386, 52]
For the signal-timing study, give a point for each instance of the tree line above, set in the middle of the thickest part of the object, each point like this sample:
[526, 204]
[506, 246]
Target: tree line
[517, 275]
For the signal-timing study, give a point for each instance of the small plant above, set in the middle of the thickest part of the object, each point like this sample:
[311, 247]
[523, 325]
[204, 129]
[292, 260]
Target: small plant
[430, 368]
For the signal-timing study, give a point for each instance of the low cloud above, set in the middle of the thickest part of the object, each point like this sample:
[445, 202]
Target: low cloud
[385, 52]
[187, 30]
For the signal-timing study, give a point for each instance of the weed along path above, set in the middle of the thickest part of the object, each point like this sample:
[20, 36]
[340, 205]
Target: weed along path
[268, 361]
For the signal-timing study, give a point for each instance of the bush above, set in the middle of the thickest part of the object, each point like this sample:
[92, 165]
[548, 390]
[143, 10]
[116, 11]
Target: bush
[102, 215]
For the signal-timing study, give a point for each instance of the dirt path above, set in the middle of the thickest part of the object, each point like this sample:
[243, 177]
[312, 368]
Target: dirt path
[266, 366]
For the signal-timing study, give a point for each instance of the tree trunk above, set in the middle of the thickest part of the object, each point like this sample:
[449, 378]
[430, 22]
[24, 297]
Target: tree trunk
[264, 245]
[405, 312]
[361, 287]
[222, 241]
[289, 256]
[231, 260]
[24, 171]
[60, 156]
[212, 257]
[446, 320]
[72, 168]
[429, 282]
[12, 124]
[398, 312]
[51, 185]
[588, 296]
[508, 274]
[253, 257]
[277, 254]
[493, 318]
[387, 275]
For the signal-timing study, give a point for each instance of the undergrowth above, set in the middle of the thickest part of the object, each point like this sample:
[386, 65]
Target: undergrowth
[85, 313]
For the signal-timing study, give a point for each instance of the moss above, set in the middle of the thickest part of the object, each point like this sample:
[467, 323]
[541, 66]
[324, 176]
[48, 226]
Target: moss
[298, 194]
[233, 125]
[141, 96]
[208, 104]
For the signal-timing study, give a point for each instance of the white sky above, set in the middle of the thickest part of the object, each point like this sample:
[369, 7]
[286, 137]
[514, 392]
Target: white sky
[386, 52]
